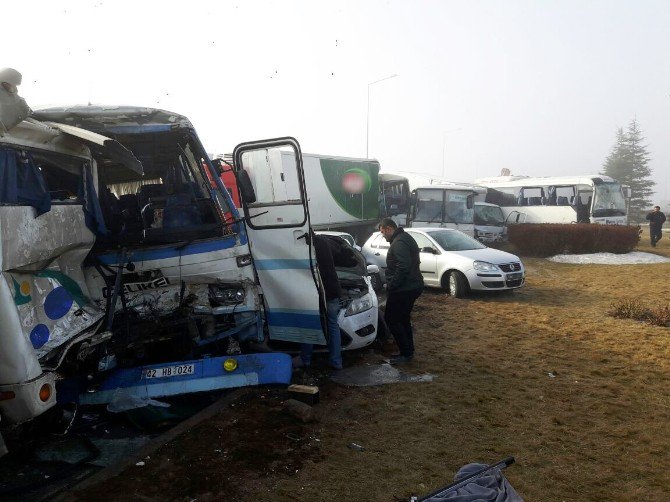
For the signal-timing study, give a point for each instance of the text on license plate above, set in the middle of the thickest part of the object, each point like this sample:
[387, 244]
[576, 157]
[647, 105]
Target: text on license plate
[170, 371]
[515, 275]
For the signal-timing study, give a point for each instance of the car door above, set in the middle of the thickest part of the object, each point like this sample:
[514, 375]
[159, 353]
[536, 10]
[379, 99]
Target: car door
[277, 225]
[377, 253]
[428, 265]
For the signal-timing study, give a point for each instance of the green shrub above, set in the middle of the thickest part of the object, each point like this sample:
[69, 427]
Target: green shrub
[535, 239]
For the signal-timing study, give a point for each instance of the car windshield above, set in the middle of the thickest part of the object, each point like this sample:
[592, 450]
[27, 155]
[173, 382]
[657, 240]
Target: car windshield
[453, 240]
[489, 215]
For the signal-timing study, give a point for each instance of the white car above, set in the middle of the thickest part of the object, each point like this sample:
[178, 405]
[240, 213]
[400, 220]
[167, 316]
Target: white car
[454, 261]
[348, 238]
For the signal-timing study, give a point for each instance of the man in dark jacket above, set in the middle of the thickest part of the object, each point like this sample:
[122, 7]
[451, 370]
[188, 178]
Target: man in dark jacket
[324, 250]
[405, 284]
[656, 219]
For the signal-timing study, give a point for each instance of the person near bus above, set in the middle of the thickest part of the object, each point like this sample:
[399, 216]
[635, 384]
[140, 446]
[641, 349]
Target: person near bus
[404, 284]
[656, 219]
[331, 286]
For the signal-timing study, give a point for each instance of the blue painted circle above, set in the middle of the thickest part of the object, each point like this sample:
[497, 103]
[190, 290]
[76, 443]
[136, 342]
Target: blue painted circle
[39, 335]
[57, 303]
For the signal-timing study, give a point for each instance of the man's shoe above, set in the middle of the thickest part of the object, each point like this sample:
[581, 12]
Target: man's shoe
[400, 359]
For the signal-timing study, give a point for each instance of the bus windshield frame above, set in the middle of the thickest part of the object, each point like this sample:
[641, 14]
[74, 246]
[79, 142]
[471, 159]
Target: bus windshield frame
[608, 200]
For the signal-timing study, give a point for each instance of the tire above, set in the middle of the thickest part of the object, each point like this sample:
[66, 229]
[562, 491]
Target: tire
[456, 284]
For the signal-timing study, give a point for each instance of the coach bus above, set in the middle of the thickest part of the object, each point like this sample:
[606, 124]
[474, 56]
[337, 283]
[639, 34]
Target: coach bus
[560, 199]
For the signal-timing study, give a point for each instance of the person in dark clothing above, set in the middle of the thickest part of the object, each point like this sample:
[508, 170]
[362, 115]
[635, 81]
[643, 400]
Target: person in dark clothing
[656, 219]
[323, 250]
[404, 283]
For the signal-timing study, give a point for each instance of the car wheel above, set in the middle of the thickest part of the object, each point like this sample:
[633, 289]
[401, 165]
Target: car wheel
[456, 284]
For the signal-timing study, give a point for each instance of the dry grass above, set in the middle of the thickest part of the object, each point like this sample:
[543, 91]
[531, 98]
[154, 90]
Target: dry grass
[599, 429]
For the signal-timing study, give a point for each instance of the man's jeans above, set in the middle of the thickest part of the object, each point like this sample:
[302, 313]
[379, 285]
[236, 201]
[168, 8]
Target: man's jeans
[334, 338]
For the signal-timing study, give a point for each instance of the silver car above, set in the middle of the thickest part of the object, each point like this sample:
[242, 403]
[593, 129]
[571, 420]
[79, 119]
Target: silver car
[454, 261]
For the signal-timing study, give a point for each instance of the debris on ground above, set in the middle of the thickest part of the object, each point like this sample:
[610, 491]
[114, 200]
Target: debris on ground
[376, 374]
[302, 411]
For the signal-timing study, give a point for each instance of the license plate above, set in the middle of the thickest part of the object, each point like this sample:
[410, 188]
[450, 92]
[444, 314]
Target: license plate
[170, 371]
[515, 275]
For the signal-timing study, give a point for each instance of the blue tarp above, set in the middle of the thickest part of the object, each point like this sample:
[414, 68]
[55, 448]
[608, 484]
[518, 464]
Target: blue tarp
[91, 204]
[21, 181]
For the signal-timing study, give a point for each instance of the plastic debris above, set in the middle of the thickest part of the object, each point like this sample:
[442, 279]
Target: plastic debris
[121, 401]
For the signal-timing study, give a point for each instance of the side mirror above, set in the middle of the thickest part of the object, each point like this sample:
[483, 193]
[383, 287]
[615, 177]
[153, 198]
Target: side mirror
[470, 201]
[373, 269]
[428, 249]
[245, 186]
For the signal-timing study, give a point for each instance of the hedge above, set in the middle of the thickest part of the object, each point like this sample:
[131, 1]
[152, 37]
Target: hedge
[534, 239]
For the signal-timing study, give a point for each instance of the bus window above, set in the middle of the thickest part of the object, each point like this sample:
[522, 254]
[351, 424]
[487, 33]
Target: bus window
[564, 195]
[456, 207]
[533, 196]
[429, 206]
[501, 196]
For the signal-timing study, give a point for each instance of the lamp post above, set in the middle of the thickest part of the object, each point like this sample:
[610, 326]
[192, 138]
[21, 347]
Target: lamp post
[367, 124]
[444, 144]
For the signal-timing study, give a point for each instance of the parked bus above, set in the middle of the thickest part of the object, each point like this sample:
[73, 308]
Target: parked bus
[343, 192]
[445, 205]
[488, 224]
[563, 199]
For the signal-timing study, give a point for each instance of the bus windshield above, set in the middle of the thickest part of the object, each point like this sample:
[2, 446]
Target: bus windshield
[489, 216]
[609, 200]
[456, 207]
[435, 205]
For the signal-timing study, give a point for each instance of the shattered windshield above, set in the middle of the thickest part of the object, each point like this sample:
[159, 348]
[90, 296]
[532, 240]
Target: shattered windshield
[609, 200]
[453, 240]
[456, 208]
[489, 216]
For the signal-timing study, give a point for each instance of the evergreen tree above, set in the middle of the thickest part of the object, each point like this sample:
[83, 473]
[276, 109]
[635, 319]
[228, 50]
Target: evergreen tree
[628, 163]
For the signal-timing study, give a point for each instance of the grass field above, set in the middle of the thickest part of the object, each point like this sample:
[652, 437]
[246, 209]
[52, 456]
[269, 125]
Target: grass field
[582, 400]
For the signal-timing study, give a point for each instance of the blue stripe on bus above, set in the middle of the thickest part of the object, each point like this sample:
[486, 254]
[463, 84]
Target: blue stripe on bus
[308, 319]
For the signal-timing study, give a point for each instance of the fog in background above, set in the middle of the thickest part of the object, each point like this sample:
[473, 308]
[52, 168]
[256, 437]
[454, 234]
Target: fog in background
[537, 87]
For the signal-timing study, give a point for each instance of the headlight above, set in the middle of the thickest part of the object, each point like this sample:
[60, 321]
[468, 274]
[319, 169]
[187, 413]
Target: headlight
[243, 261]
[359, 305]
[483, 266]
[226, 295]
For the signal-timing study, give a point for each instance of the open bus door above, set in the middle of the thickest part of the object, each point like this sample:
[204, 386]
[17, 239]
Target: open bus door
[277, 221]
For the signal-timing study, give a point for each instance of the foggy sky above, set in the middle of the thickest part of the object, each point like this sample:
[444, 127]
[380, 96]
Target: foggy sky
[537, 87]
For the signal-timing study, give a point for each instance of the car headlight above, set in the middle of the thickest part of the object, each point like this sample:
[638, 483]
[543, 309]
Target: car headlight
[359, 305]
[226, 295]
[484, 266]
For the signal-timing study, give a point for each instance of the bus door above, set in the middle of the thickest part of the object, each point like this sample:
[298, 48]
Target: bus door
[276, 217]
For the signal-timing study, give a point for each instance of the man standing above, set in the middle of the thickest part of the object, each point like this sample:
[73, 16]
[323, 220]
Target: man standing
[331, 285]
[405, 284]
[656, 219]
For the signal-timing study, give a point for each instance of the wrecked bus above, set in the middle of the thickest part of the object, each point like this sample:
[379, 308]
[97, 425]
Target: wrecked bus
[128, 273]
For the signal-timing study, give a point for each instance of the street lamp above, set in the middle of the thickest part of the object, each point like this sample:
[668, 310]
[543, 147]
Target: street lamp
[367, 124]
[444, 144]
